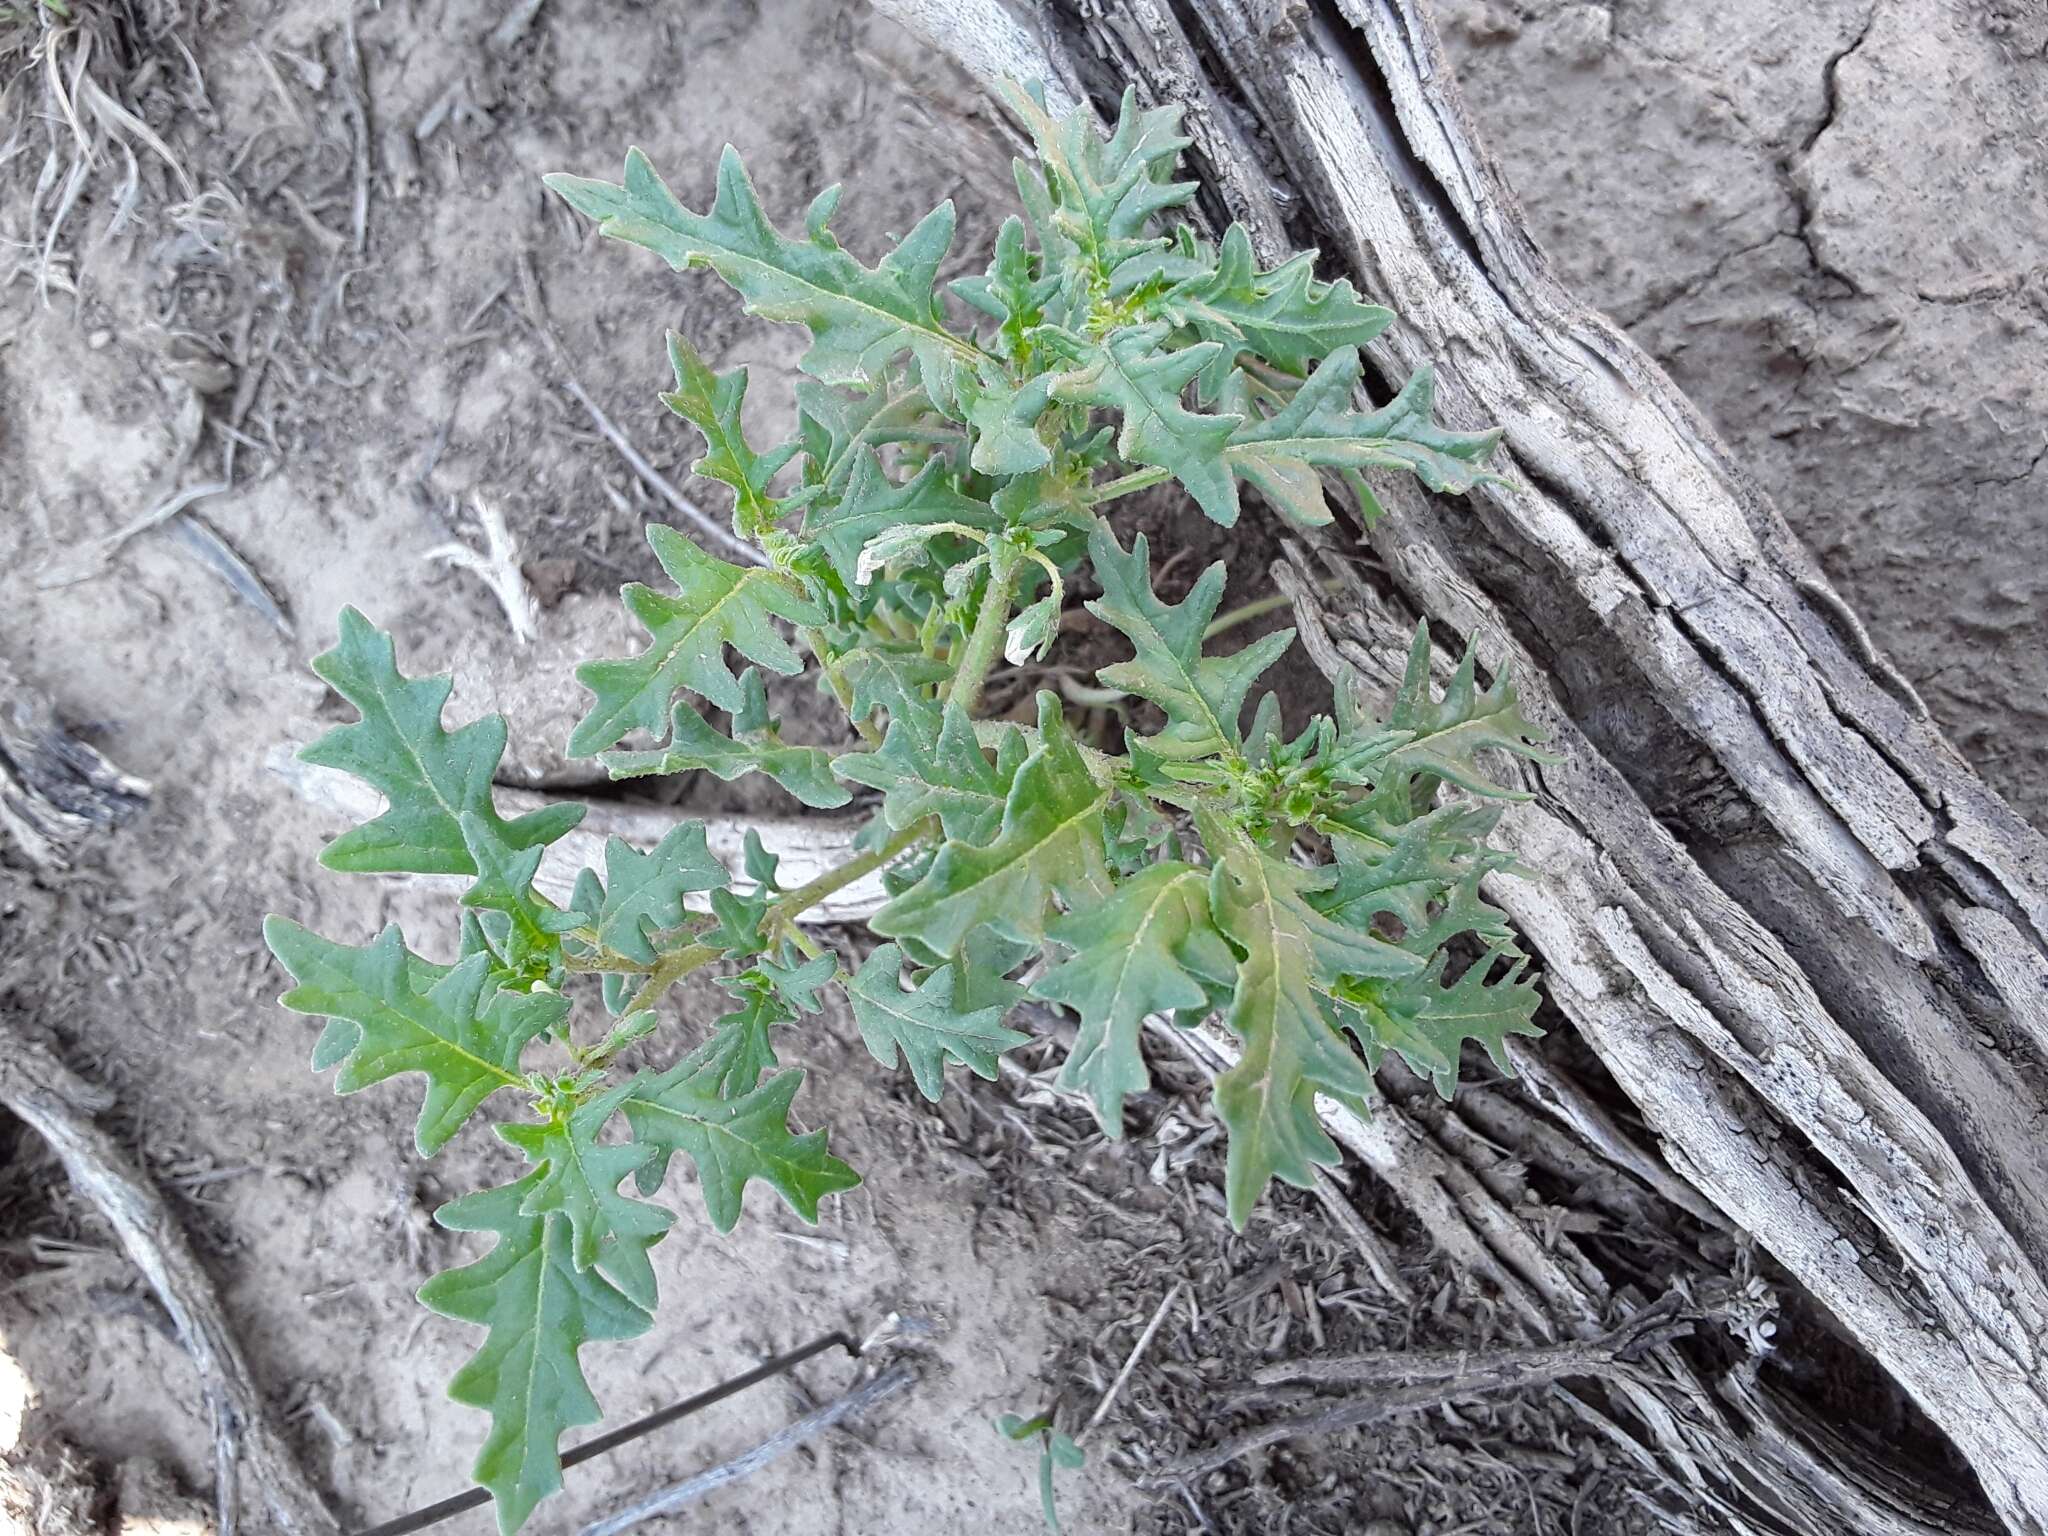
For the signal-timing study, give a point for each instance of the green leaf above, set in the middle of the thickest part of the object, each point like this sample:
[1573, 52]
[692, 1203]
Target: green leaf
[860, 318]
[1280, 454]
[948, 777]
[1284, 316]
[1428, 1023]
[924, 1024]
[836, 427]
[1450, 732]
[1031, 630]
[733, 1141]
[715, 605]
[641, 892]
[1105, 191]
[1201, 696]
[1127, 962]
[697, 746]
[579, 1181]
[981, 971]
[1133, 376]
[797, 985]
[1291, 954]
[391, 1012]
[1004, 420]
[741, 1047]
[541, 1310]
[893, 680]
[1012, 291]
[873, 503]
[431, 777]
[712, 402]
[1403, 868]
[1050, 841]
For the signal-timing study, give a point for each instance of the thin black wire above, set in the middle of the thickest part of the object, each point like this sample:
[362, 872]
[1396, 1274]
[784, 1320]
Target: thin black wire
[434, 1514]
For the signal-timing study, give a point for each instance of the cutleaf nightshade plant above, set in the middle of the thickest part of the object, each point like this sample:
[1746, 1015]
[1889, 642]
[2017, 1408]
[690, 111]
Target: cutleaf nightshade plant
[951, 486]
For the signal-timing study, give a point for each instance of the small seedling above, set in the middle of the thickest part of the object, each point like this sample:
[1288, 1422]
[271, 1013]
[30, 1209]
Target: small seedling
[952, 483]
[1056, 1448]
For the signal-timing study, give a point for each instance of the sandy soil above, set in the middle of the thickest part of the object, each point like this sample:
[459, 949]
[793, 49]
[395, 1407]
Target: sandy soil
[373, 394]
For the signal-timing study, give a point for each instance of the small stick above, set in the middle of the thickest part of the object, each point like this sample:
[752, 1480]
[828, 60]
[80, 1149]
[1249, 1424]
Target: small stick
[506, 35]
[354, 87]
[669, 1500]
[698, 518]
[1436, 1380]
[90, 558]
[497, 567]
[1130, 1364]
[1370, 1246]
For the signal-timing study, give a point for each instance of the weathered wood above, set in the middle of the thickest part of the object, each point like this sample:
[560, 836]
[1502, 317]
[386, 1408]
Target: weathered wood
[40, 1090]
[1799, 932]
[54, 789]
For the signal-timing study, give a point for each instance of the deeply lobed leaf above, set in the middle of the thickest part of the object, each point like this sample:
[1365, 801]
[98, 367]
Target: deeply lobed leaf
[1290, 953]
[715, 605]
[927, 1024]
[733, 1141]
[389, 1013]
[540, 1310]
[1152, 947]
[1201, 696]
[860, 318]
[1049, 841]
[432, 778]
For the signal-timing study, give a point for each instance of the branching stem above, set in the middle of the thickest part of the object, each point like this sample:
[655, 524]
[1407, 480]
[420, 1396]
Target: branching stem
[676, 964]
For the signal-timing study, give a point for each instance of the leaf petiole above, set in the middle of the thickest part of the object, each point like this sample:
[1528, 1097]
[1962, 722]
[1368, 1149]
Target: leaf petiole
[1124, 485]
[674, 965]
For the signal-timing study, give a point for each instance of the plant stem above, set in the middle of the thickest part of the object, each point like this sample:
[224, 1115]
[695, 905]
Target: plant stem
[670, 969]
[675, 965]
[986, 641]
[815, 639]
[1258, 609]
[1109, 490]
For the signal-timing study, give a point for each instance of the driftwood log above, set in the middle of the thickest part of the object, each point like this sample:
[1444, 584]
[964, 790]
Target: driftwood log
[248, 1441]
[1798, 931]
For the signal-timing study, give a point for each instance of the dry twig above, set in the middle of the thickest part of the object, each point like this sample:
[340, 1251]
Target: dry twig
[777, 1445]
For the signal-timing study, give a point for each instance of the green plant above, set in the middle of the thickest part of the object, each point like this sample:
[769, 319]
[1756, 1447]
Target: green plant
[1056, 1448]
[948, 487]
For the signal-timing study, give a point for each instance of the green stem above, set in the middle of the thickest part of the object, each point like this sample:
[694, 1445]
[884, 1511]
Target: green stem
[670, 969]
[1109, 490]
[815, 639]
[985, 643]
[1260, 608]
[675, 965]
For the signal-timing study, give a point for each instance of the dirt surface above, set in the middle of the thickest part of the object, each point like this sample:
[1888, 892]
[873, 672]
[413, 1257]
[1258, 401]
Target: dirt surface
[1830, 222]
[375, 390]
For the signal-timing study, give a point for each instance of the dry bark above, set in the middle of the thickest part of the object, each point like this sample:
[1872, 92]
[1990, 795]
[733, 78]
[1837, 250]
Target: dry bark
[54, 789]
[1797, 929]
[40, 1090]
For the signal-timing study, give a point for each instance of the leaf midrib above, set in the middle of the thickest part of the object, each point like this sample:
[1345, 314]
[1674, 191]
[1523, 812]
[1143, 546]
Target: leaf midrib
[697, 623]
[1029, 854]
[740, 258]
[384, 1005]
[1137, 943]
